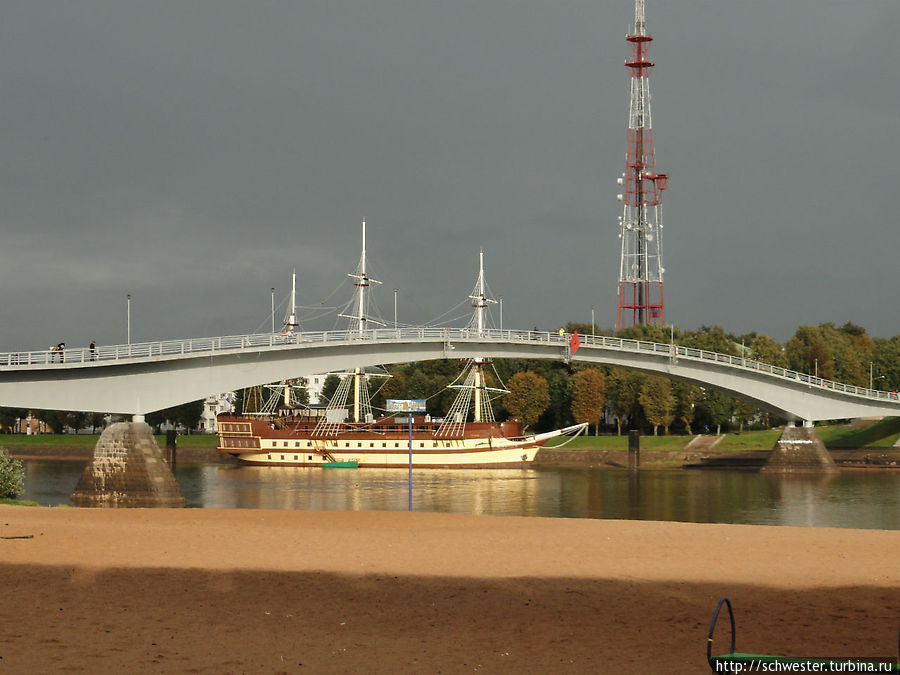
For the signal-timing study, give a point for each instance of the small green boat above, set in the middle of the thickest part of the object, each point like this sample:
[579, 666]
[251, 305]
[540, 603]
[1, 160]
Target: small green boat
[349, 464]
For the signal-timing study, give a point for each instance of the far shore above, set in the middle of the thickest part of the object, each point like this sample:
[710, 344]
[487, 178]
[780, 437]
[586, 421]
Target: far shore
[605, 451]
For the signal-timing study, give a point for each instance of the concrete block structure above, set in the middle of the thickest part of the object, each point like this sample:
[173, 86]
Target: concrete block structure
[127, 470]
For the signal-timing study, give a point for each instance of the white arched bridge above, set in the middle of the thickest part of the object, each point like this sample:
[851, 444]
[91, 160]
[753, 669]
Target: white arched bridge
[140, 378]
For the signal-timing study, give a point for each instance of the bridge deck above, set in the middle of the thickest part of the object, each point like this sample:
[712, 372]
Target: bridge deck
[192, 347]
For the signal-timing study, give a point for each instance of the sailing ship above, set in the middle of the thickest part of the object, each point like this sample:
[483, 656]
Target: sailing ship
[345, 434]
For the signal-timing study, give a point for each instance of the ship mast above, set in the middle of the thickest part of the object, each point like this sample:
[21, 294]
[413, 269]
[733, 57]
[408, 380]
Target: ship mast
[480, 303]
[474, 384]
[290, 320]
[362, 284]
[291, 325]
[359, 320]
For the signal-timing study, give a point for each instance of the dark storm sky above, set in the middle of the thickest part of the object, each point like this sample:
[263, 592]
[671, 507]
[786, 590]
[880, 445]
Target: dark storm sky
[192, 153]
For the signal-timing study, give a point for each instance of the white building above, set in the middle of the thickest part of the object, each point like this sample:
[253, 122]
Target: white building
[212, 406]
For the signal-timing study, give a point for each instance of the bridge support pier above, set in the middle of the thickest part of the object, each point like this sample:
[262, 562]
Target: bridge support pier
[800, 450]
[127, 470]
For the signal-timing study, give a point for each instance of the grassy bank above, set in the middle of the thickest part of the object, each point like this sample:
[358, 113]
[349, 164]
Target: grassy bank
[747, 441]
[12, 441]
[17, 502]
[883, 433]
[839, 437]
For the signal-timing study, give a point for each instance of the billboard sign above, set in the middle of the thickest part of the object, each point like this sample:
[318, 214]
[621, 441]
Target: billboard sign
[405, 405]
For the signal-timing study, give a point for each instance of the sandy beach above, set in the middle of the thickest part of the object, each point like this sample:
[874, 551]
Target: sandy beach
[234, 591]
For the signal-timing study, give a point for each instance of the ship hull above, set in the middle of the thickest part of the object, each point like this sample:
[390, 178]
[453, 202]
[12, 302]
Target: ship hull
[267, 443]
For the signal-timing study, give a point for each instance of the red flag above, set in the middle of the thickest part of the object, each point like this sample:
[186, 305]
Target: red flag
[575, 342]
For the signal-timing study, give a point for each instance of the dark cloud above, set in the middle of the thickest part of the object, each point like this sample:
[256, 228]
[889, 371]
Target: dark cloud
[193, 154]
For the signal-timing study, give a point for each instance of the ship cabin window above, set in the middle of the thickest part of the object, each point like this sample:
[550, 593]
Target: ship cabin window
[371, 445]
[282, 457]
[396, 445]
[309, 457]
[296, 445]
[295, 458]
[269, 456]
[359, 445]
[384, 445]
[447, 444]
[435, 444]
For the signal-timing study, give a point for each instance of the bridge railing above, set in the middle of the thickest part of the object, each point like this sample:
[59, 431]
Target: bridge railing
[103, 355]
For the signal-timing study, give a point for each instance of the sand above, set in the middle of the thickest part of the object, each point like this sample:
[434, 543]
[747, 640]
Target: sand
[234, 591]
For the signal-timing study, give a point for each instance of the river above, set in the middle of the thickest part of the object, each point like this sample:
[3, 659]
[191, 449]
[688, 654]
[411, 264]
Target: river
[856, 499]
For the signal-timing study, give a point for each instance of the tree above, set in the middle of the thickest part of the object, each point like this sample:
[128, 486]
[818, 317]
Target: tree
[886, 363]
[156, 419]
[54, 419]
[710, 338]
[528, 397]
[187, 415]
[744, 413]
[647, 332]
[687, 396]
[766, 350]
[559, 411]
[419, 385]
[719, 407]
[622, 390]
[96, 420]
[329, 386]
[658, 402]
[589, 397]
[12, 476]
[76, 420]
[299, 392]
[9, 417]
[393, 386]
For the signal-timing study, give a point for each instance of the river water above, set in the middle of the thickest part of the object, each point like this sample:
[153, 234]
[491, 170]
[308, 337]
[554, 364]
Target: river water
[857, 499]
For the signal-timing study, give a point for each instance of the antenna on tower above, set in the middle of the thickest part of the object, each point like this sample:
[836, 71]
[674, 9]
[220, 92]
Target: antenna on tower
[640, 226]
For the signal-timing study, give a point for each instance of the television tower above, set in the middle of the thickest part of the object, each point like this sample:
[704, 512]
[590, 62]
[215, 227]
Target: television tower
[640, 226]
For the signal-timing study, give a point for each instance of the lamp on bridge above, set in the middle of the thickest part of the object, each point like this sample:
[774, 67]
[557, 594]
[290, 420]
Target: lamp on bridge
[273, 308]
[128, 320]
[872, 379]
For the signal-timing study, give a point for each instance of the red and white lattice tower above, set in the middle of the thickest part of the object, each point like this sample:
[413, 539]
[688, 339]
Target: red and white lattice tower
[641, 265]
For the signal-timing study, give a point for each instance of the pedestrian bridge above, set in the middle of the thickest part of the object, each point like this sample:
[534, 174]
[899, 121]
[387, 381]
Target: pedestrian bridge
[140, 378]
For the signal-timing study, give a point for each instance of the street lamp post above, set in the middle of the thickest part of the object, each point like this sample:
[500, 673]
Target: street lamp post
[128, 320]
[273, 309]
[501, 312]
[395, 307]
[593, 330]
[873, 380]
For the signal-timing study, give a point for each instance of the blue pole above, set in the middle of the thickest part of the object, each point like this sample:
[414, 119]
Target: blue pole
[410, 459]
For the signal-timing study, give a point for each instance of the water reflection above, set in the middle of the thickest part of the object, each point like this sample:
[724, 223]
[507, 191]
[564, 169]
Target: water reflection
[850, 499]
